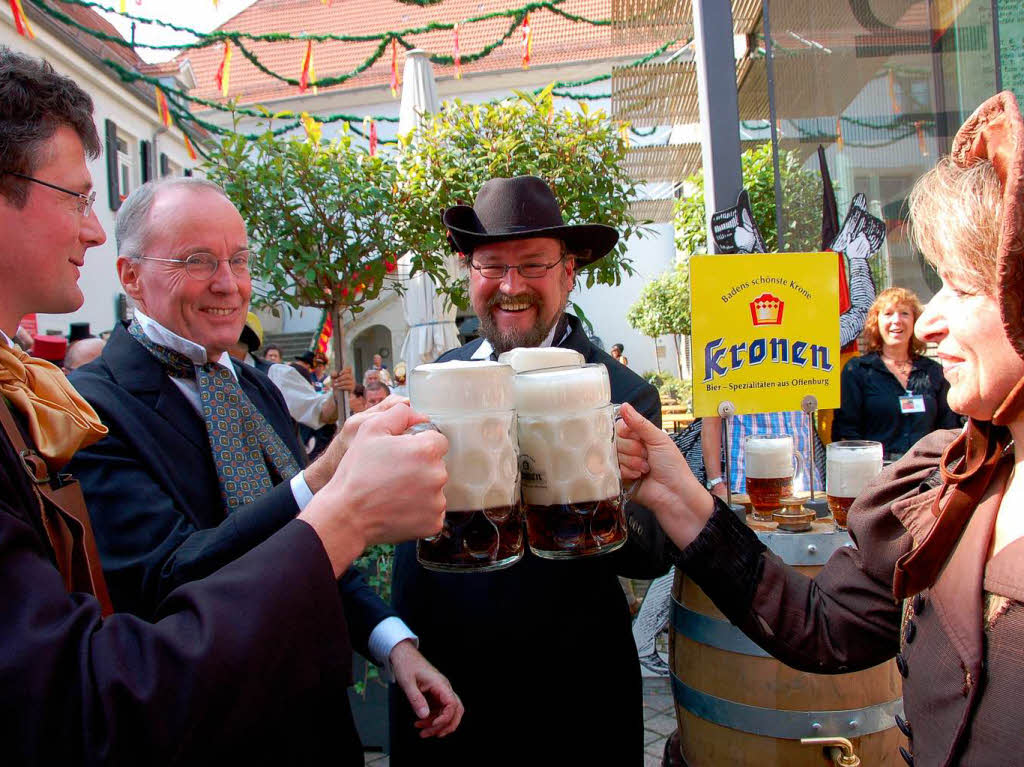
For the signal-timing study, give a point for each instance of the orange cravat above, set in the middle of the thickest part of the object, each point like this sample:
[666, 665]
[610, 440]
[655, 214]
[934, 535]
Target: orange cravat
[58, 419]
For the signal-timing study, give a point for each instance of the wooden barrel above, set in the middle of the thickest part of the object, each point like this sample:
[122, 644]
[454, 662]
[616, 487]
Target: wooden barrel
[737, 705]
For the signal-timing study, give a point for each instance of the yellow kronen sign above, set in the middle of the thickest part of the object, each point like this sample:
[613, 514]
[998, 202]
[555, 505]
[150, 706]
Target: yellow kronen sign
[765, 331]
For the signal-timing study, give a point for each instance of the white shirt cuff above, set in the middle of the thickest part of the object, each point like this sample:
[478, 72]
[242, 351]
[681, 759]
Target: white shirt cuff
[300, 491]
[383, 639]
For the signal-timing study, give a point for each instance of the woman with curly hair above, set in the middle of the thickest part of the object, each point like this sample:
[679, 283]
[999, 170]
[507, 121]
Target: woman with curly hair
[893, 394]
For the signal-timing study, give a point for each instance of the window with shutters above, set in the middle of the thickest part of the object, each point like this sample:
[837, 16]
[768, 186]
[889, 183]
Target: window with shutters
[127, 163]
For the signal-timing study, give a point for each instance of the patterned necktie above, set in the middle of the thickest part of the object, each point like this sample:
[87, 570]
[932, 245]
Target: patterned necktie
[246, 449]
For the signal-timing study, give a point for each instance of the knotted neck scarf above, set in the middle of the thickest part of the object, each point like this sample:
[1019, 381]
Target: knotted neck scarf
[59, 421]
[249, 455]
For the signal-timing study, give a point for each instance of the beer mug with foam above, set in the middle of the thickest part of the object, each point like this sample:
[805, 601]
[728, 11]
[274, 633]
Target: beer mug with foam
[472, 404]
[850, 465]
[571, 488]
[769, 467]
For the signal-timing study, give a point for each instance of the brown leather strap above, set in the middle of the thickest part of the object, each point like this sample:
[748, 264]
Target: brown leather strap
[65, 519]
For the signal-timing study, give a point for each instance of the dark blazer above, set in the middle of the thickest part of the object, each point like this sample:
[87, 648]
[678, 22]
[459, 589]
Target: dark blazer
[959, 644]
[871, 404]
[242, 667]
[541, 653]
[152, 488]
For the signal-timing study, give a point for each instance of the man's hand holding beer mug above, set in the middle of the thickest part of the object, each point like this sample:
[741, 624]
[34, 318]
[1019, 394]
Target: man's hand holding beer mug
[682, 505]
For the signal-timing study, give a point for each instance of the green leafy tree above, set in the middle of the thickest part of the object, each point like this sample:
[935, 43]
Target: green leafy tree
[319, 219]
[801, 195]
[663, 308]
[580, 154]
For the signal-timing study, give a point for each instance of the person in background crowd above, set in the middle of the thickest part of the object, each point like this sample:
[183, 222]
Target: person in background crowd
[936, 577]
[207, 442]
[83, 352]
[548, 641]
[50, 348]
[400, 388]
[272, 353]
[382, 371]
[249, 342]
[357, 399]
[376, 392]
[893, 394]
[617, 354]
[244, 665]
[319, 370]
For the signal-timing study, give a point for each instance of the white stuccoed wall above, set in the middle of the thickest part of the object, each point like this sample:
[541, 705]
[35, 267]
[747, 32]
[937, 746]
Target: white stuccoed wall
[99, 282]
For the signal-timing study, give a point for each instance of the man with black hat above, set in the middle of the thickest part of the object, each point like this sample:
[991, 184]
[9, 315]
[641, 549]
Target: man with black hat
[542, 651]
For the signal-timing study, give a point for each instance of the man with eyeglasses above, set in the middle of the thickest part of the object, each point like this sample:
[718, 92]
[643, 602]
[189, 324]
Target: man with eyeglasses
[541, 653]
[244, 666]
[207, 442]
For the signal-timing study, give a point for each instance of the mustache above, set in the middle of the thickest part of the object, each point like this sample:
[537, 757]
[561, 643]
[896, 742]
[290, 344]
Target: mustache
[498, 299]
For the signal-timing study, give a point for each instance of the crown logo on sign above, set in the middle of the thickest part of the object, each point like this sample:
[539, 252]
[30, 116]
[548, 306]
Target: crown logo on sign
[766, 309]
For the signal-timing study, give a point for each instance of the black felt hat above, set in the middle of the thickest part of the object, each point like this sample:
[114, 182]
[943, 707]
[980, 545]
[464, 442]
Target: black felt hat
[78, 331]
[522, 207]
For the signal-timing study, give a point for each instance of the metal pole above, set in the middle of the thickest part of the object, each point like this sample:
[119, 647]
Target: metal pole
[773, 116]
[719, 106]
[809, 405]
[726, 409]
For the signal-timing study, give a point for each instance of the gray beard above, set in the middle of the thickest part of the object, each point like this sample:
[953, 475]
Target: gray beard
[503, 341]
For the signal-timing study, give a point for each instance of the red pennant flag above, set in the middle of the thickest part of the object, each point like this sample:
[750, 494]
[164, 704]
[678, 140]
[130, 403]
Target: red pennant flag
[394, 68]
[307, 63]
[188, 146]
[224, 70]
[323, 338]
[373, 137]
[921, 143]
[527, 41]
[893, 101]
[162, 109]
[839, 133]
[21, 20]
[456, 55]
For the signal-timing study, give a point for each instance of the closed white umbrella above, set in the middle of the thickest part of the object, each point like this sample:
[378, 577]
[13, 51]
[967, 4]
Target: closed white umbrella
[432, 328]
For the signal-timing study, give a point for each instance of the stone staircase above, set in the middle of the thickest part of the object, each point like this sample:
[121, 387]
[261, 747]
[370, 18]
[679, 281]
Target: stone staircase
[291, 344]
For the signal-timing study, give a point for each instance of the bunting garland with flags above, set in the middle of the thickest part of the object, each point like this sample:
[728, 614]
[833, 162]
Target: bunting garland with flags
[922, 145]
[224, 70]
[394, 68]
[21, 20]
[189, 148]
[124, 6]
[323, 335]
[839, 133]
[307, 65]
[162, 109]
[455, 52]
[527, 41]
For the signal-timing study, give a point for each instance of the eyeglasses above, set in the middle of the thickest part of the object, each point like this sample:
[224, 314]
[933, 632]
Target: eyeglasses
[84, 202]
[202, 266]
[528, 271]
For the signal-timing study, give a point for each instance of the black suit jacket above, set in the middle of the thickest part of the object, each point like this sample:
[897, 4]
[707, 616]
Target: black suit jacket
[152, 488]
[242, 667]
[541, 653]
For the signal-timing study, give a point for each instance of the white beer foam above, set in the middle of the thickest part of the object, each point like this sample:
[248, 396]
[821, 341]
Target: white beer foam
[562, 390]
[848, 472]
[461, 386]
[769, 457]
[568, 458]
[482, 460]
[538, 358]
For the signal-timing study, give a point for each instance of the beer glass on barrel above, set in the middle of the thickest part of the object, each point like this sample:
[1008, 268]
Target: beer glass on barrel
[472, 404]
[769, 467]
[569, 468]
[850, 465]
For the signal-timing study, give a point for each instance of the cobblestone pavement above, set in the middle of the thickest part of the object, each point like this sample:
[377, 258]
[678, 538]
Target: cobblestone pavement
[659, 722]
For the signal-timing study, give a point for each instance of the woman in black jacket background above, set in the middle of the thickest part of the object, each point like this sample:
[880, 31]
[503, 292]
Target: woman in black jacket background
[893, 394]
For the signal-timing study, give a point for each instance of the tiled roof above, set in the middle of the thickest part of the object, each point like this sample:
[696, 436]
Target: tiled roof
[556, 40]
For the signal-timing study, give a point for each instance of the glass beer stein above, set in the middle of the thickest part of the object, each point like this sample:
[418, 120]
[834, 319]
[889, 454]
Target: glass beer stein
[472, 404]
[769, 468]
[850, 465]
[569, 469]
